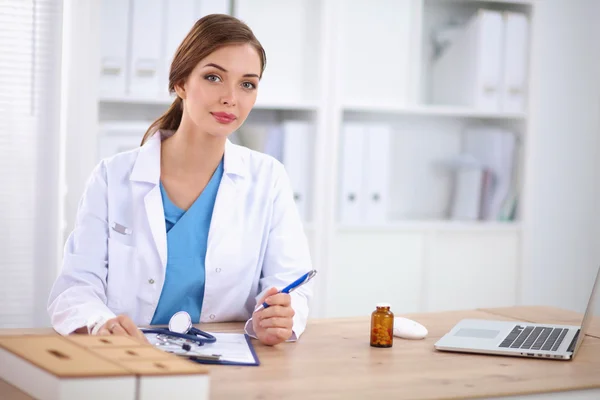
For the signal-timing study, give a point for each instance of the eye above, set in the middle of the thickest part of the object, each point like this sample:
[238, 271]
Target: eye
[248, 85]
[212, 78]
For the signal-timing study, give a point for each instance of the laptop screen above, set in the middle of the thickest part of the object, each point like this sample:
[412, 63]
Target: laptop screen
[589, 313]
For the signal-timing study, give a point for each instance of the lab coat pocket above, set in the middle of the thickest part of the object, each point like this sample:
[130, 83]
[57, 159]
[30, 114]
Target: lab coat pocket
[121, 267]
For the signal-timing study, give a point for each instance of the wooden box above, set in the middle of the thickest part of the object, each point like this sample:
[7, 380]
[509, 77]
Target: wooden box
[97, 367]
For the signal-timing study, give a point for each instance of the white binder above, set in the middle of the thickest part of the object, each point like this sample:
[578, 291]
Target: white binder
[146, 39]
[180, 16]
[117, 137]
[467, 195]
[296, 159]
[114, 25]
[351, 172]
[376, 178]
[494, 148]
[273, 144]
[467, 190]
[513, 94]
[469, 71]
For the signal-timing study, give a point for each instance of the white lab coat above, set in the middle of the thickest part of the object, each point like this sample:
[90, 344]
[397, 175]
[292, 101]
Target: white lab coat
[115, 259]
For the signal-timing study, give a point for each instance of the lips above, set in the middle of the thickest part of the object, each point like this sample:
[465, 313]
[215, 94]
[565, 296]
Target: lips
[224, 118]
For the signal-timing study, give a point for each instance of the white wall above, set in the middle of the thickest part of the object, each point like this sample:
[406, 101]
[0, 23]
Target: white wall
[562, 209]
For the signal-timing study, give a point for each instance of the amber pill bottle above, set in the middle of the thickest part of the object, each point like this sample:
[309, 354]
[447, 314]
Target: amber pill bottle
[382, 326]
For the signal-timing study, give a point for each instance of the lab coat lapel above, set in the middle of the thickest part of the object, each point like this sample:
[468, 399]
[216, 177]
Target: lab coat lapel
[156, 220]
[223, 212]
[226, 206]
[146, 178]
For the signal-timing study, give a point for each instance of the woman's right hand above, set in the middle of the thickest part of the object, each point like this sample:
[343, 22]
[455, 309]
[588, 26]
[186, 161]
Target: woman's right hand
[122, 325]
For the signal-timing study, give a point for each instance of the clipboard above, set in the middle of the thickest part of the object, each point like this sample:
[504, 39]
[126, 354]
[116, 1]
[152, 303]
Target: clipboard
[220, 361]
[229, 349]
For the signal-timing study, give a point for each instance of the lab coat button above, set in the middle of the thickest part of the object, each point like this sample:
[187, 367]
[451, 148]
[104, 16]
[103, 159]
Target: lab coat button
[218, 270]
[151, 281]
[212, 316]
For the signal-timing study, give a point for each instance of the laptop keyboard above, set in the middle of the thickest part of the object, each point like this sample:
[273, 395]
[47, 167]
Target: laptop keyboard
[534, 338]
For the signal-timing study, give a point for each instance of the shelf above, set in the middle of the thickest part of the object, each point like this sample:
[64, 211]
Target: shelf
[135, 100]
[507, 2]
[429, 226]
[164, 101]
[432, 111]
[303, 106]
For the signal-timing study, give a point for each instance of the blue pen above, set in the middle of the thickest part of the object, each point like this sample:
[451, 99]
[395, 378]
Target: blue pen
[293, 286]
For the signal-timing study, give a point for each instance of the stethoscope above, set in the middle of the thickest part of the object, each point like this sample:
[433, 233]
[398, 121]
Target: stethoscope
[180, 326]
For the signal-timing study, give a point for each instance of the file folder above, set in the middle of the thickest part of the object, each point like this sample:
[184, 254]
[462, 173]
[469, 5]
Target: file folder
[296, 159]
[494, 148]
[469, 71]
[274, 142]
[377, 173]
[352, 199]
[467, 194]
[114, 26]
[516, 32]
[146, 39]
[180, 17]
[117, 137]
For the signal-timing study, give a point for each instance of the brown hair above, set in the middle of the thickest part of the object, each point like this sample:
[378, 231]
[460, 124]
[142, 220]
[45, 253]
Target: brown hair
[207, 35]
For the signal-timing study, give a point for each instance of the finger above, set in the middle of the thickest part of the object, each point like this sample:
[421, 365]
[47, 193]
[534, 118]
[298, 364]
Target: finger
[277, 323]
[106, 328]
[128, 325]
[276, 311]
[117, 329]
[279, 299]
[103, 331]
[132, 329]
[268, 293]
[281, 333]
[142, 337]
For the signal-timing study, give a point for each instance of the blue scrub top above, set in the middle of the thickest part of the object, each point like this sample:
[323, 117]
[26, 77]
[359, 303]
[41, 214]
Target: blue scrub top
[187, 237]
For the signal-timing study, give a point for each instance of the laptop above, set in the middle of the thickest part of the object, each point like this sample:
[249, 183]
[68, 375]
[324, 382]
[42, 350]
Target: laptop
[522, 339]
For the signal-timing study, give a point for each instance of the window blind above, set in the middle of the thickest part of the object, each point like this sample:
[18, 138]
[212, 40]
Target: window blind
[30, 54]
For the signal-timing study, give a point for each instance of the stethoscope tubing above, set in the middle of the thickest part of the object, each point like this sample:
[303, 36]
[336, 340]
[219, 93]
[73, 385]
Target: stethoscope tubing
[195, 335]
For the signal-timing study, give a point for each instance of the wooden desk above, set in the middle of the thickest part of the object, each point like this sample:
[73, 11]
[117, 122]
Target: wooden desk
[333, 359]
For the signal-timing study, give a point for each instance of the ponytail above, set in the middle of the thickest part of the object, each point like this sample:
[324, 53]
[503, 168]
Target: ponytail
[170, 120]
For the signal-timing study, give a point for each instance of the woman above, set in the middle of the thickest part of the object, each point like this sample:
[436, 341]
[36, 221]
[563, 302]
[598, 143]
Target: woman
[189, 221]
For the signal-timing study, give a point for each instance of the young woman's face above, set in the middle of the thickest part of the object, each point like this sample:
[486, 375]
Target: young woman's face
[222, 89]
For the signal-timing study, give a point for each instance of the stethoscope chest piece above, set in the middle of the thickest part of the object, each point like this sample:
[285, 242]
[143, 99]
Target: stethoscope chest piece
[180, 327]
[180, 322]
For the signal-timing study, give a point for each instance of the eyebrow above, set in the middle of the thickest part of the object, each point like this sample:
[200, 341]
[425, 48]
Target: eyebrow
[224, 70]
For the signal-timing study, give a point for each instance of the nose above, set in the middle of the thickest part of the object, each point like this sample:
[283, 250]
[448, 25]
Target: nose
[228, 96]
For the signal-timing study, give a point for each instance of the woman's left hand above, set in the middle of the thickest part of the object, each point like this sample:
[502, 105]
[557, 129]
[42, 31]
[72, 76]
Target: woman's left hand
[273, 325]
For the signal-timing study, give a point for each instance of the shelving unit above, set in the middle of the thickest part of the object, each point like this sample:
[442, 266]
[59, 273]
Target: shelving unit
[166, 101]
[433, 226]
[433, 111]
[333, 62]
[417, 259]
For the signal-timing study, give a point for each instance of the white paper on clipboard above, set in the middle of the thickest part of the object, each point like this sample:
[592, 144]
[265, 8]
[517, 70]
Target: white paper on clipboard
[233, 348]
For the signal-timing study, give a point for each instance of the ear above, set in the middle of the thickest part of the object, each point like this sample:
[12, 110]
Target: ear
[180, 90]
